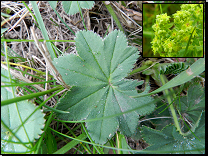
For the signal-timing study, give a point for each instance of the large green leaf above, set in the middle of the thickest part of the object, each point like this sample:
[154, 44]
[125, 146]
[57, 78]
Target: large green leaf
[12, 122]
[168, 140]
[72, 7]
[100, 89]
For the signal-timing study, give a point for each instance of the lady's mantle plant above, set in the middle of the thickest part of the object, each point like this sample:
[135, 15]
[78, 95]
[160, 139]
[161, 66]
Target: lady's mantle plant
[188, 25]
[100, 89]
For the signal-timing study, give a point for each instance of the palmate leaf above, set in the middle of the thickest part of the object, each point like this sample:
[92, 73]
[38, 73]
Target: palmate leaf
[99, 85]
[72, 7]
[168, 140]
[12, 118]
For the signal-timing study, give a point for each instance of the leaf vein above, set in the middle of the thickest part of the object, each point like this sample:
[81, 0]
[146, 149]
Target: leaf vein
[94, 56]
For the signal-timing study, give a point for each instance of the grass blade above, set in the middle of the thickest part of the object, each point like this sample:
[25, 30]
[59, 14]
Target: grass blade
[43, 29]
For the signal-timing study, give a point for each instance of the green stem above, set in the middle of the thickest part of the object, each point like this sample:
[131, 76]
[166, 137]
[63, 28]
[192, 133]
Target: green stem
[30, 96]
[162, 77]
[81, 15]
[161, 9]
[106, 31]
[110, 9]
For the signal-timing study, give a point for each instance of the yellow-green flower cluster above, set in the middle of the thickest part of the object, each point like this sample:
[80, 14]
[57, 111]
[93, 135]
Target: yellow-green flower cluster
[161, 29]
[196, 10]
[168, 42]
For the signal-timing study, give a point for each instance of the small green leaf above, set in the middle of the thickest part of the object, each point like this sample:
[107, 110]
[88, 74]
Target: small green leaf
[13, 116]
[100, 89]
[72, 7]
[168, 140]
[173, 68]
[192, 104]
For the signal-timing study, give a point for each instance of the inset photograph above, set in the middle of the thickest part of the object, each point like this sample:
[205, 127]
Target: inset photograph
[173, 30]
